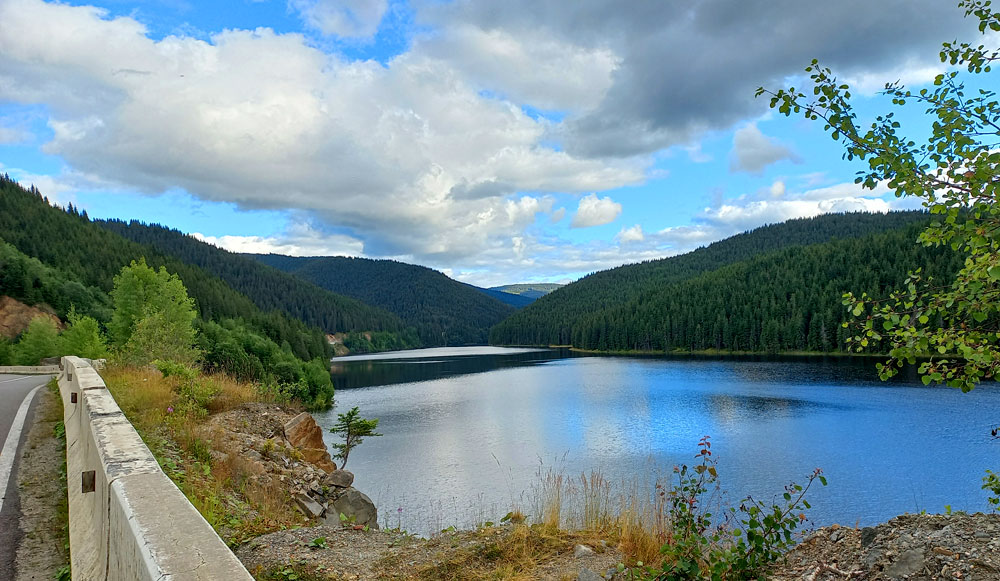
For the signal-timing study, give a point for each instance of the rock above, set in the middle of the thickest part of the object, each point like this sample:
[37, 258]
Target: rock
[319, 457]
[588, 575]
[353, 504]
[339, 479]
[908, 563]
[308, 506]
[581, 551]
[867, 536]
[835, 536]
[303, 433]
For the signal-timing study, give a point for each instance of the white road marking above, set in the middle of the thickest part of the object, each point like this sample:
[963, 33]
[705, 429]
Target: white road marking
[15, 379]
[10, 445]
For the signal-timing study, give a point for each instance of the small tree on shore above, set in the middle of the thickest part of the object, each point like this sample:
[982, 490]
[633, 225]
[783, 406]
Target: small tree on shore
[354, 429]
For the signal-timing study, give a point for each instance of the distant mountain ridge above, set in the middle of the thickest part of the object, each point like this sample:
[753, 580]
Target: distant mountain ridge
[442, 310]
[516, 301]
[775, 288]
[532, 290]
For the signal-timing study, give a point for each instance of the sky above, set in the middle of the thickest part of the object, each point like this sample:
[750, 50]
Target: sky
[497, 141]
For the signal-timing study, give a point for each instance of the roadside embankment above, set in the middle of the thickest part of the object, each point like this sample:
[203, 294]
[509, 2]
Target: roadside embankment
[127, 519]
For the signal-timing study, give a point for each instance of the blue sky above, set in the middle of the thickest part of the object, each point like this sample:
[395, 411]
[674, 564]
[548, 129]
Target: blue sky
[498, 142]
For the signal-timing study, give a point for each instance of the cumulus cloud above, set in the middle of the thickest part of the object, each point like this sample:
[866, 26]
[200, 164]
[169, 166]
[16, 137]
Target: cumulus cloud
[753, 151]
[409, 158]
[344, 18]
[529, 67]
[551, 259]
[594, 211]
[440, 154]
[298, 241]
[633, 234]
[772, 205]
[684, 67]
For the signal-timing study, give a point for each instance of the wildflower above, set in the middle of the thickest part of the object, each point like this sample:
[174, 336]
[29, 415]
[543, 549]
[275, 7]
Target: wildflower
[170, 409]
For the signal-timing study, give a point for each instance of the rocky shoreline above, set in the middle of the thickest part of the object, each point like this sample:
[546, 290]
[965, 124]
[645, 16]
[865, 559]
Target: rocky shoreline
[343, 541]
[916, 547]
[288, 447]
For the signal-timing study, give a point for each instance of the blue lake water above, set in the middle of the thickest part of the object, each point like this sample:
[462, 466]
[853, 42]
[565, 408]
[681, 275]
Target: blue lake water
[467, 431]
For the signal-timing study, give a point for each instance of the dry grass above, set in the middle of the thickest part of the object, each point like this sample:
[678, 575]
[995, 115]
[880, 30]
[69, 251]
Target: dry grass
[630, 514]
[214, 476]
[509, 553]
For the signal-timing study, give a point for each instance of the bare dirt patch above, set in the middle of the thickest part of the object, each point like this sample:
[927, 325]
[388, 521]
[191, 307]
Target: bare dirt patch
[42, 490]
[15, 316]
[505, 552]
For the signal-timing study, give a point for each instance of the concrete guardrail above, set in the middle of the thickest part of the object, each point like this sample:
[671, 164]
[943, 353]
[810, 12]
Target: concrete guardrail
[29, 369]
[127, 519]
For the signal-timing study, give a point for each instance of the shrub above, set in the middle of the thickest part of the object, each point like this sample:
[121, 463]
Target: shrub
[698, 547]
[39, 341]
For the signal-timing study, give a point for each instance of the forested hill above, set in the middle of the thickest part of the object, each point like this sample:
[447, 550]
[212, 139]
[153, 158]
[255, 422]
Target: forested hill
[89, 257]
[269, 288]
[776, 288]
[444, 311]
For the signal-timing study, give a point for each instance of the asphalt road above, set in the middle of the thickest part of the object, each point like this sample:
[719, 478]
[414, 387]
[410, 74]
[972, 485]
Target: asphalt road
[13, 391]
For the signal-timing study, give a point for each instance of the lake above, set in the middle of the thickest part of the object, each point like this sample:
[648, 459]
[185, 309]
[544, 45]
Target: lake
[468, 432]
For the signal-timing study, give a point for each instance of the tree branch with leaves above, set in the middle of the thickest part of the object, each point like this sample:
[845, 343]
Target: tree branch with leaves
[953, 328]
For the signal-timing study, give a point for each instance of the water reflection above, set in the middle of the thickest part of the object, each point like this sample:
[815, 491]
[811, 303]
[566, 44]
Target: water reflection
[464, 435]
[428, 364]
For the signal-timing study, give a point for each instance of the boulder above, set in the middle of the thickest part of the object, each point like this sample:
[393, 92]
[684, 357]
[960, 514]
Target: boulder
[355, 505]
[304, 433]
[308, 506]
[907, 564]
[339, 479]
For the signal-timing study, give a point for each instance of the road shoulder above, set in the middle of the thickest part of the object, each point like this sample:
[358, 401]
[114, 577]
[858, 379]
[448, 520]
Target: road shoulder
[41, 483]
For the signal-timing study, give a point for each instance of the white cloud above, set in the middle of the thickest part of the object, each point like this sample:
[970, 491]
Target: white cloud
[633, 234]
[753, 151]
[291, 244]
[773, 205]
[534, 69]
[431, 155]
[344, 18]
[410, 158]
[10, 135]
[594, 211]
[910, 72]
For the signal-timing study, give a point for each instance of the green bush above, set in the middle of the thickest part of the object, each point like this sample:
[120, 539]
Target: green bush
[39, 341]
[174, 369]
[83, 337]
[233, 349]
[6, 351]
[700, 548]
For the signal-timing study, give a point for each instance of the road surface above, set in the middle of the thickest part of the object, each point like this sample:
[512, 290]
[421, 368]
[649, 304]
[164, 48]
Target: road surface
[16, 415]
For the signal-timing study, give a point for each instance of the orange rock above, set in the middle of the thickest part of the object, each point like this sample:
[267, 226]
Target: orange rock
[304, 433]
